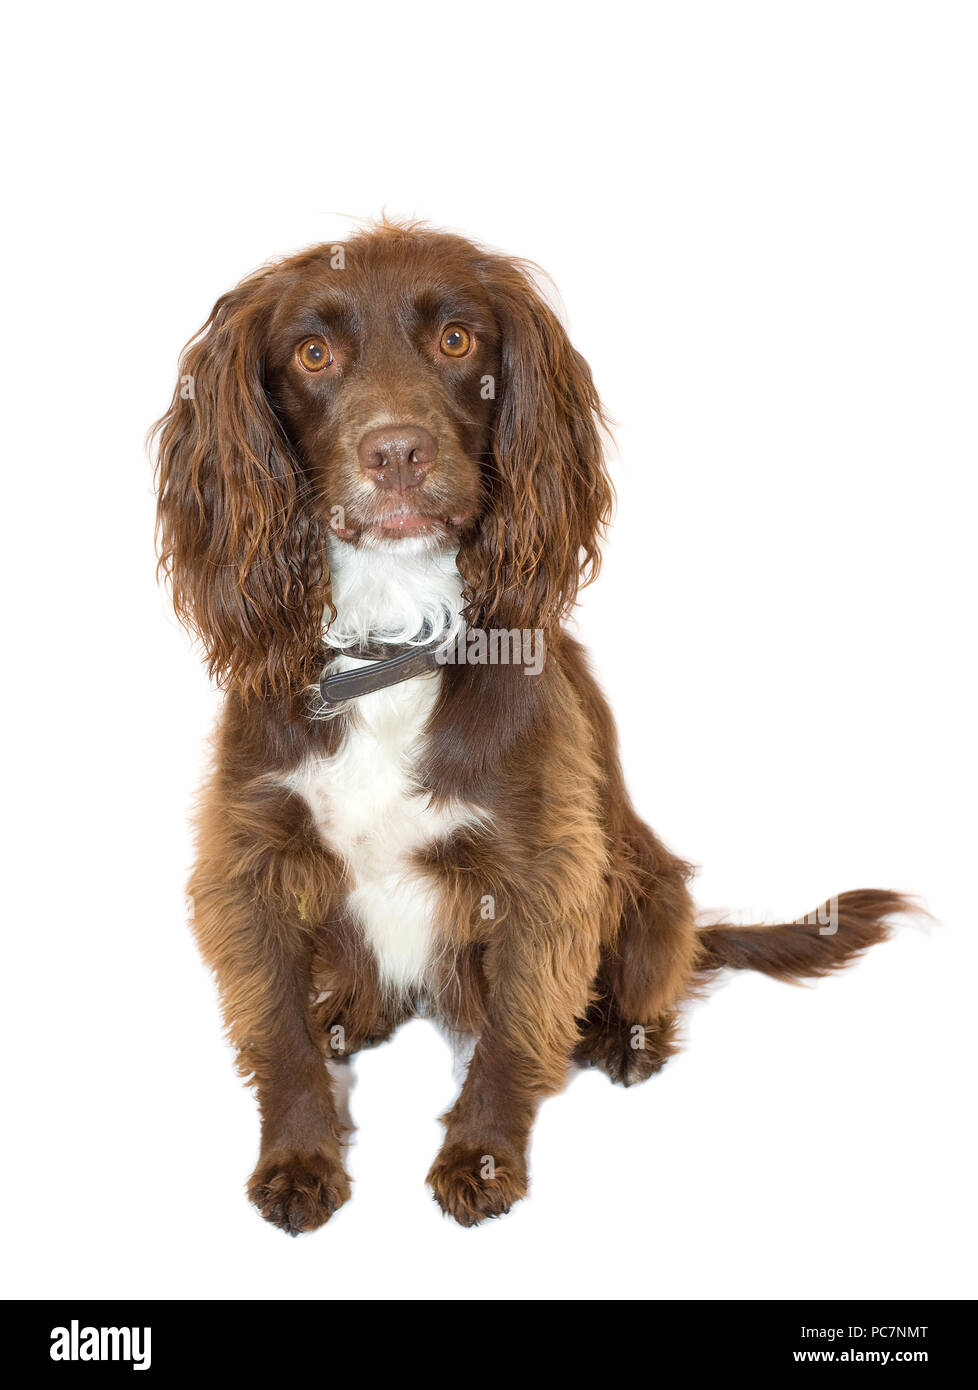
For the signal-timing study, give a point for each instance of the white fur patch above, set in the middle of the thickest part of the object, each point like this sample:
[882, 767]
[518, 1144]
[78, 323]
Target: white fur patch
[365, 799]
[390, 592]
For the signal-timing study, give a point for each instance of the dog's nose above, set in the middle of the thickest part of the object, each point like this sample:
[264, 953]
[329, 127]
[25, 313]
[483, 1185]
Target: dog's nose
[397, 456]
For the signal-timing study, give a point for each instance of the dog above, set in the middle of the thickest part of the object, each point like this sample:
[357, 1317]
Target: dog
[383, 457]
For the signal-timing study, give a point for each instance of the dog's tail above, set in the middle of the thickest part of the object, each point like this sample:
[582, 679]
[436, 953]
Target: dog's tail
[827, 939]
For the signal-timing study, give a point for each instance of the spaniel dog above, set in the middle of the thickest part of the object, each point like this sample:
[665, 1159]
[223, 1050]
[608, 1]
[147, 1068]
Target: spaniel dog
[380, 486]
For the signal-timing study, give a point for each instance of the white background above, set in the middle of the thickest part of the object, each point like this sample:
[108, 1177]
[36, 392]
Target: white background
[762, 220]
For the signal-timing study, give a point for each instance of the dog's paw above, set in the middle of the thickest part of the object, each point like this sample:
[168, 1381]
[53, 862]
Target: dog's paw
[472, 1184]
[626, 1054]
[299, 1191]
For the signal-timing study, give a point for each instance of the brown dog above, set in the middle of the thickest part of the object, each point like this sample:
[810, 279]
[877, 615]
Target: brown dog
[392, 443]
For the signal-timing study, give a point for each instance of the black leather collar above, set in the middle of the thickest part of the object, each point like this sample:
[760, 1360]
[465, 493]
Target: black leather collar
[391, 663]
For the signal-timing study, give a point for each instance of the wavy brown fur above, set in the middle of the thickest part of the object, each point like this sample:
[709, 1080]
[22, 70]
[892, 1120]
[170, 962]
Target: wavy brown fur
[592, 946]
[802, 950]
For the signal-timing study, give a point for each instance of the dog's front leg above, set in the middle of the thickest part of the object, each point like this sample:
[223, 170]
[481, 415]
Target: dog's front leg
[538, 986]
[300, 1180]
[260, 947]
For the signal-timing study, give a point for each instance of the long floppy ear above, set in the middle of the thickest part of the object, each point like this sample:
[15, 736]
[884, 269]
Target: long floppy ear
[237, 539]
[548, 494]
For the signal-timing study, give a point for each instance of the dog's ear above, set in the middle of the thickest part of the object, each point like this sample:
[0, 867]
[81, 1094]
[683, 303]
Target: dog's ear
[548, 494]
[237, 538]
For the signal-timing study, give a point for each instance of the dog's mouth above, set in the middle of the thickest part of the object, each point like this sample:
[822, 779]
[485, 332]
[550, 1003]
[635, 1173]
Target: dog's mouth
[400, 523]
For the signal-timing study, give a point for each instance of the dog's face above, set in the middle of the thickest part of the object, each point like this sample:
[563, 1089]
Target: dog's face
[404, 390]
[383, 370]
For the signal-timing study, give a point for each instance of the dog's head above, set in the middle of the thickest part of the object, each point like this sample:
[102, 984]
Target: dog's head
[402, 390]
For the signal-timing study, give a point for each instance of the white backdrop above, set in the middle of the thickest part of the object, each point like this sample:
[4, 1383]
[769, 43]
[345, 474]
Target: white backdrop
[762, 220]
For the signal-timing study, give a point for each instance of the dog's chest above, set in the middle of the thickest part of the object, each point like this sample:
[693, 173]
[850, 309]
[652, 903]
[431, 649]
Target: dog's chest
[369, 811]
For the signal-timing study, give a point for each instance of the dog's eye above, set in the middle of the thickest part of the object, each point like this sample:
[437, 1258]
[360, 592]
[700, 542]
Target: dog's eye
[456, 341]
[314, 354]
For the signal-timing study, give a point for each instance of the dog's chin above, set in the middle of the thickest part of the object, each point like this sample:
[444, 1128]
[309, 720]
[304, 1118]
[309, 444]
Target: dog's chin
[427, 540]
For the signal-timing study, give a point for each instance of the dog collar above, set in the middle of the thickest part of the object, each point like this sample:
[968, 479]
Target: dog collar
[390, 663]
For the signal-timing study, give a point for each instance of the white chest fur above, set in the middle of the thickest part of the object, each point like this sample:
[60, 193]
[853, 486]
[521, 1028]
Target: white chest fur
[369, 812]
[365, 798]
